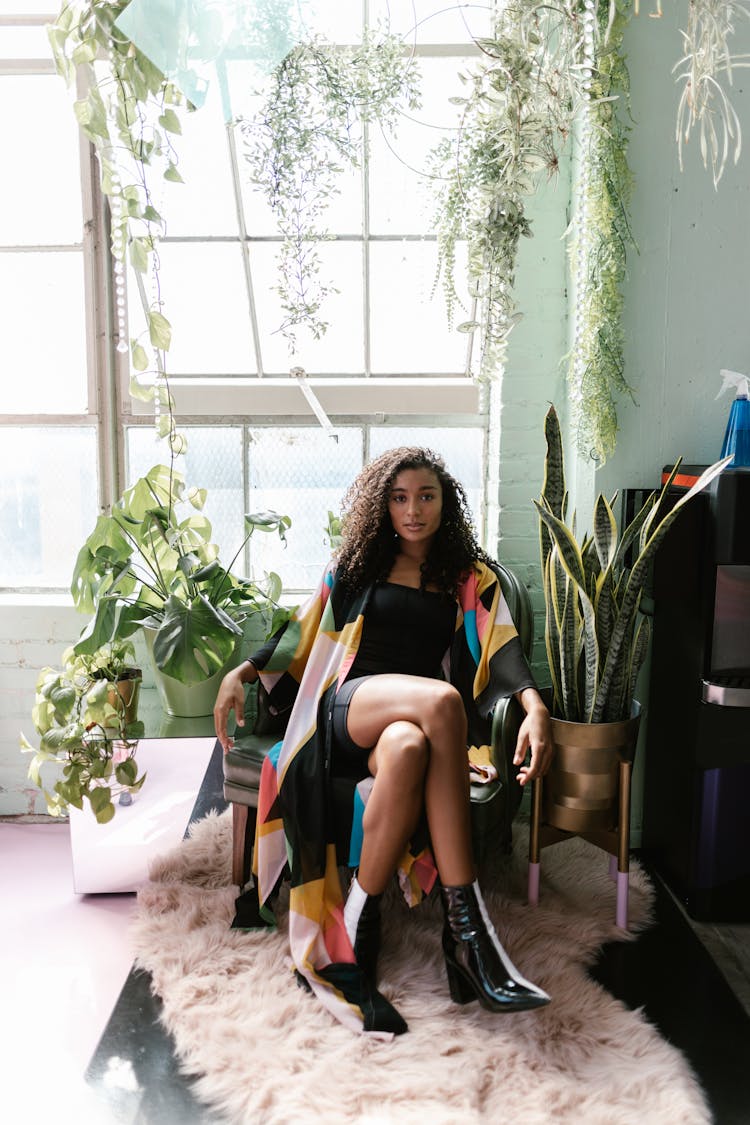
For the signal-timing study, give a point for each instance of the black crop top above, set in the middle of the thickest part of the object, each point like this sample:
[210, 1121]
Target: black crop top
[404, 630]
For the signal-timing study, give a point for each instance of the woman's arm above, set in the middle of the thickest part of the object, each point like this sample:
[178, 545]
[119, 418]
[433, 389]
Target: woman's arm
[231, 697]
[535, 736]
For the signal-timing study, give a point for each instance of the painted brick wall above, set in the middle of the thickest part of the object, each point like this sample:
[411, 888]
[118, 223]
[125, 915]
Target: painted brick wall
[534, 377]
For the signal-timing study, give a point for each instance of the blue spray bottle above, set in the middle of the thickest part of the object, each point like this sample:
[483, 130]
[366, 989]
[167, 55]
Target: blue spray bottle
[737, 435]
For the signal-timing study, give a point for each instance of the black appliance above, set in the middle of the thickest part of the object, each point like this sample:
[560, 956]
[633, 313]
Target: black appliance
[696, 816]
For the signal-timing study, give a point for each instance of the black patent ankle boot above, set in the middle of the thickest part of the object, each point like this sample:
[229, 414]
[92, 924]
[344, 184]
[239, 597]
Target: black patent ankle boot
[478, 967]
[362, 920]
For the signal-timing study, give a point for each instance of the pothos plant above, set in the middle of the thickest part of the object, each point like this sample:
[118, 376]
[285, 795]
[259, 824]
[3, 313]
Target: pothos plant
[312, 124]
[85, 730]
[131, 112]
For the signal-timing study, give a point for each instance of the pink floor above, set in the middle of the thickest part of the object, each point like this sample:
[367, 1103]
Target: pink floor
[65, 959]
[66, 956]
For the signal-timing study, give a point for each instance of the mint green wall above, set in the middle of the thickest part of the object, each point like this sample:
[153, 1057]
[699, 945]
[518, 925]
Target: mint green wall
[687, 312]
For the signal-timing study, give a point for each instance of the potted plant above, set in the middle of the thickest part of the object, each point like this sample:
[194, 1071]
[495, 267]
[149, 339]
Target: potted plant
[114, 662]
[84, 725]
[151, 564]
[596, 639]
[596, 642]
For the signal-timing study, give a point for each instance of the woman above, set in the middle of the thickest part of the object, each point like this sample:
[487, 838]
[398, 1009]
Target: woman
[409, 596]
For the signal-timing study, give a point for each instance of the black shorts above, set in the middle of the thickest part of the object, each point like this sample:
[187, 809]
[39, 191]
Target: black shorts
[347, 758]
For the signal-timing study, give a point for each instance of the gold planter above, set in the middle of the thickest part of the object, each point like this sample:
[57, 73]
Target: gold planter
[586, 792]
[581, 790]
[128, 689]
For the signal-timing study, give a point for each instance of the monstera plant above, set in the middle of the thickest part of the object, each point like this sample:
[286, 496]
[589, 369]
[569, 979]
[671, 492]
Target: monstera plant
[151, 563]
[596, 638]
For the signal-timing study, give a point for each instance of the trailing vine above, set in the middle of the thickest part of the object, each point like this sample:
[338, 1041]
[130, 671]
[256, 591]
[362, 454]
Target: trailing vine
[601, 236]
[311, 125]
[131, 113]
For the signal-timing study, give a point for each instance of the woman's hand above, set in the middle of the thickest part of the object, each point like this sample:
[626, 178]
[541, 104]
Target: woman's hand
[534, 737]
[231, 697]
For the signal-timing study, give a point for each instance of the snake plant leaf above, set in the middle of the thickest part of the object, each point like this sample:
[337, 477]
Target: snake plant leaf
[639, 651]
[605, 610]
[659, 506]
[616, 665]
[605, 532]
[569, 642]
[553, 485]
[570, 554]
[552, 634]
[632, 531]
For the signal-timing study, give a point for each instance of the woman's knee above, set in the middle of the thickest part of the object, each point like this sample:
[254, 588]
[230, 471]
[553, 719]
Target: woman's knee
[403, 749]
[444, 710]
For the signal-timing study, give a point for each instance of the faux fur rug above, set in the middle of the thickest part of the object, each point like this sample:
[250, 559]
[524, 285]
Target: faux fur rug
[263, 1051]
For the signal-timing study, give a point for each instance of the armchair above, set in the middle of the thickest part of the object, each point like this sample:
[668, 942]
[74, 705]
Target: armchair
[494, 805]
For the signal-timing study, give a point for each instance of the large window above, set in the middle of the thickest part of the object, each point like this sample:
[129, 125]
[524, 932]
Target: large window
[388, 371]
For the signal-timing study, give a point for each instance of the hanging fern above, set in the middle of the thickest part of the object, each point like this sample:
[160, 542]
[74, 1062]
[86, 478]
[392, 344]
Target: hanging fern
[310, 127]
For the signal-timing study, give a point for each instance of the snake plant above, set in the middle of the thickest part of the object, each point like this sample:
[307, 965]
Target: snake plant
[596, 638]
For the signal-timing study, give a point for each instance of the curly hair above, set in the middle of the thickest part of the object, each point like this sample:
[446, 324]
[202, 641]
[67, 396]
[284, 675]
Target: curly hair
[369, 544]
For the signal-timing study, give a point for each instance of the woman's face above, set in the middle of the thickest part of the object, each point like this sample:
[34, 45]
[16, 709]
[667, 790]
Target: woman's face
[415, 505]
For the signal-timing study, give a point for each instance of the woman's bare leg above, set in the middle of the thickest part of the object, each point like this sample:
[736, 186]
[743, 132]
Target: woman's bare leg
[434, 709]
[399, 762]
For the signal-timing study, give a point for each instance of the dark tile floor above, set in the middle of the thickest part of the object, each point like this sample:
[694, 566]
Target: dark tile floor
[667, 972]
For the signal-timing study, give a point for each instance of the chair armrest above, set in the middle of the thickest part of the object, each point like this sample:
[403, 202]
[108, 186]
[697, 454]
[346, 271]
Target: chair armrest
[507, 717]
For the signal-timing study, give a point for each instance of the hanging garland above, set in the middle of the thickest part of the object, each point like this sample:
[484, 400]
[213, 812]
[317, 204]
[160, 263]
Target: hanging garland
[547, 70]
[601, 235]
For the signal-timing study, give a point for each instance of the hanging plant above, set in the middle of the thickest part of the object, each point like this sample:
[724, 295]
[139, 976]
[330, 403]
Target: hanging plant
[547, 68]
[601, 236]
[131, 113]
[706, 62]
[310, 127]
[515, 122]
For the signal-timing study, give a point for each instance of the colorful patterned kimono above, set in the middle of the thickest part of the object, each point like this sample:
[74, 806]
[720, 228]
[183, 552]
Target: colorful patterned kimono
[304, 665]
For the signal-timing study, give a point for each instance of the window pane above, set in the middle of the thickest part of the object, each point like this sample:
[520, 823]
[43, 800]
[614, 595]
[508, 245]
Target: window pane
[205, 300]
[43, 347]
[204, 204]
[27, 7]
[24, 42]
[39, 207]
[462, 449]
[45, 517]
[402, 199]
[302, 473]
[409, 329]
[213, 461]
[341, 349]
[434, 21]
[344, 213]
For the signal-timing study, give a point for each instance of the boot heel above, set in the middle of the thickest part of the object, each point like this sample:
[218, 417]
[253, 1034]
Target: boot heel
[460, 989]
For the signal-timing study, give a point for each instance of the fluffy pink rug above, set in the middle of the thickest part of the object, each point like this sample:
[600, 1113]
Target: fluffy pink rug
[264, 1051]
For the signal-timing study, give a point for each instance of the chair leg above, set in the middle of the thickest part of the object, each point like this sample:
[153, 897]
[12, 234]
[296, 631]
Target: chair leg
[613, 867]
[534, 850]
[239, 827]
[621, 911]
[623, 848]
